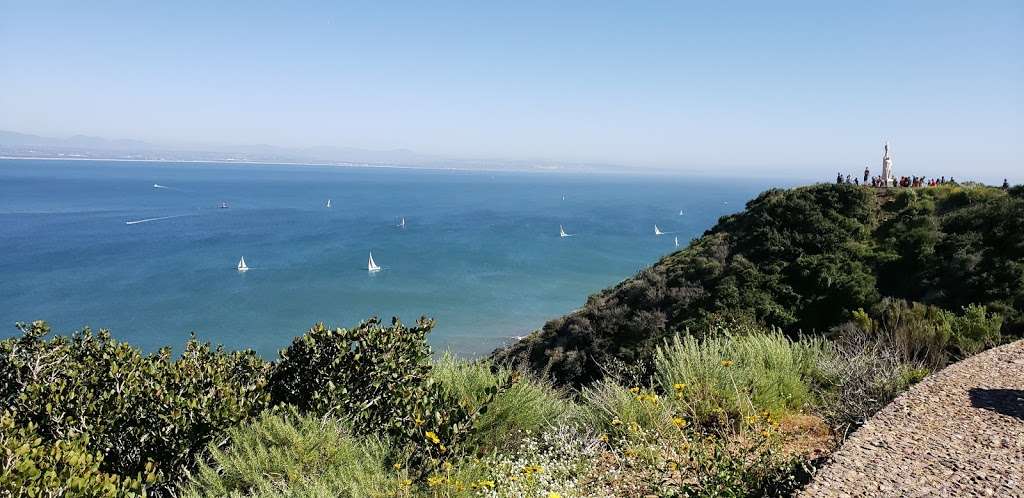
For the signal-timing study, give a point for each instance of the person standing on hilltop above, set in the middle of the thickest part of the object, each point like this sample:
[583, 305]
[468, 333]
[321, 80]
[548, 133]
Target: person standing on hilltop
[866, 173]
[1006, 184]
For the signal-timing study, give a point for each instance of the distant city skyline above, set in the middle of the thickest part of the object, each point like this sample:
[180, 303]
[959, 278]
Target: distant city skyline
[743, 87]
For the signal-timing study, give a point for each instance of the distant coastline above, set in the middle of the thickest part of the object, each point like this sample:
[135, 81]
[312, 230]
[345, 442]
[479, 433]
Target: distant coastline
[285, 163]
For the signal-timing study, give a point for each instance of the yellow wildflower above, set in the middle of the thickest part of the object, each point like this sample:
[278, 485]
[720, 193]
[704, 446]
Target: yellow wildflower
[533, 469]
[432, 437]
[616, 421]
[726, 363]
[679, 386]
[434, 481]
[672, 466]
[397, 466]
[679, 422]
[634, 390]
[484, 484]
[406, 483]
[554, 495]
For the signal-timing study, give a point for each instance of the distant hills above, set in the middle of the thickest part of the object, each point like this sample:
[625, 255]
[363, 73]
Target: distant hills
[22, 145]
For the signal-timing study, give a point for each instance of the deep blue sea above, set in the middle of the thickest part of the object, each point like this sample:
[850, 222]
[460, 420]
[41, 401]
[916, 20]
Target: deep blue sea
[480, 252]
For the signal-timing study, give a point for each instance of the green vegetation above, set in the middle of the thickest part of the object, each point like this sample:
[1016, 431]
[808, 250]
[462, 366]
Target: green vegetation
[803, 260]
[727, 369]
[148, 415]
[296, 455]
[728, 415]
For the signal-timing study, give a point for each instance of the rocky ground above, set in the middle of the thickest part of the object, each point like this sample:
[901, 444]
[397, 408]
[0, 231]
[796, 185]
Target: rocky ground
[959, 432]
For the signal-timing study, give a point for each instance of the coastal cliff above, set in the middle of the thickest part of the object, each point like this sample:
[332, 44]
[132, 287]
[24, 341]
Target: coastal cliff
[801, 260]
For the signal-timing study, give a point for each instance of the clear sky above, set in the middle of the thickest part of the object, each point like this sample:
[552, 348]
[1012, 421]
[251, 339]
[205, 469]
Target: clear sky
[737, 85]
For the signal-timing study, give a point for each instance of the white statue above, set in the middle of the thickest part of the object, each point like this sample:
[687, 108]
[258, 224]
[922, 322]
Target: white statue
[887, 167]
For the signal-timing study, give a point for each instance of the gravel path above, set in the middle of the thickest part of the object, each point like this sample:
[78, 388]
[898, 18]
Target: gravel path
[959, 432]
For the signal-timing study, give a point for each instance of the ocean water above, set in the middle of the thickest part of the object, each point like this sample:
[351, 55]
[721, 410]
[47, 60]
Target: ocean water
[480, 252]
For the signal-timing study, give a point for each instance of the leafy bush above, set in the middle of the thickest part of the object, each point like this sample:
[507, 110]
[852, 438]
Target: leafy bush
[32, 467]
[527, 405]
[380, 379]
[719, 381]
[929, 335]
[975, 331]
[300, 456]
[148, 415]
[917, 332]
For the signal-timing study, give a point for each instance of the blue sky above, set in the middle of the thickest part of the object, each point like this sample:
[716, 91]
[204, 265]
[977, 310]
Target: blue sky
[746, 86]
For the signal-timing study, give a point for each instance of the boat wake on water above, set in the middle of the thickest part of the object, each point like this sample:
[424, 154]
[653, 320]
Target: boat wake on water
[165, 187]
[147, 220]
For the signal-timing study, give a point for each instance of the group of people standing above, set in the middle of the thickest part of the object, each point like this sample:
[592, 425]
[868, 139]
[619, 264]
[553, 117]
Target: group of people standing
[903, 181]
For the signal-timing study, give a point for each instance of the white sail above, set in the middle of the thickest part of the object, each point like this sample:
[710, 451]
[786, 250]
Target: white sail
[328, 203]
[561, 232]
[241, 265]
[657, 231]
[677, 241]
[372, 265]
[402, 224]
[680, 212]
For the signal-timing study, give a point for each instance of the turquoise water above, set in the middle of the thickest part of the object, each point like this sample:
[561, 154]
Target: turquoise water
[480, 252]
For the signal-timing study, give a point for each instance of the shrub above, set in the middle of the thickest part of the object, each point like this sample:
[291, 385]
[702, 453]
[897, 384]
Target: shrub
[975, 331]
[918, 333]
[720, 380]
[559, 460]
[929, 335]
[528, 405]
[147, 414]
[300, 456]
[858, 374]
[32, 467]
[379, 378]
[628, 413]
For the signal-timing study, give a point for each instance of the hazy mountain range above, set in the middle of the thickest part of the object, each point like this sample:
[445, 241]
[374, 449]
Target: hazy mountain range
[22, 145]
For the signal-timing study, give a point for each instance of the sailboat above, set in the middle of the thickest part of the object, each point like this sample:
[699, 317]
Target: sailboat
[328, 203]
[680, 212]
[677, 241]
[402, 224]
[657, 231]
[241, 265]
[371, 266]
[561, 232]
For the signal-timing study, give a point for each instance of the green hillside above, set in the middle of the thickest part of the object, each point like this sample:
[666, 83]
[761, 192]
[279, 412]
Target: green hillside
[802, 260]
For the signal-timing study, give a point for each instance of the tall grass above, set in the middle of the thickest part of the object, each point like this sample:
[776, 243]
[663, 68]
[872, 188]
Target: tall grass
[295, 456]
[631, 413]
[529, 405]
[719, 381]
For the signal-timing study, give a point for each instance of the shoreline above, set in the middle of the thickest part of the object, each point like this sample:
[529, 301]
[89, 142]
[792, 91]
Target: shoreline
[787, 179]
